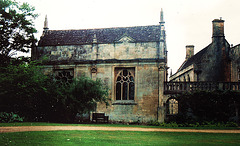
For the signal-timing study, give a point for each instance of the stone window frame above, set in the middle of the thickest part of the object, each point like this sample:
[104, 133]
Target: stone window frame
[61, 74]
[116, 71]
[171, 110]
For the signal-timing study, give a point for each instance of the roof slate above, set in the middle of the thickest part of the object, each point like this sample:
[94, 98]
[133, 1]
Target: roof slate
[196, 59]
[103, 35]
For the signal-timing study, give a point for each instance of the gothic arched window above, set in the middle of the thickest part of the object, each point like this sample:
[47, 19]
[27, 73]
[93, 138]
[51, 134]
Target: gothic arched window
[125, 86]
[172, 106]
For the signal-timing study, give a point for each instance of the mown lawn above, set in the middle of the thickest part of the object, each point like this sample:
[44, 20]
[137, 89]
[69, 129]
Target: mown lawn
[117, 138]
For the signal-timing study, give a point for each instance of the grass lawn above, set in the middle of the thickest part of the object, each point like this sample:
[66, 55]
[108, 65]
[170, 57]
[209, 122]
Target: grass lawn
[117, 138]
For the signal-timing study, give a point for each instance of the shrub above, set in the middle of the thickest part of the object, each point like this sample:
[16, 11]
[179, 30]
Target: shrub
[194, 124]
[10, 117]
[199, 106]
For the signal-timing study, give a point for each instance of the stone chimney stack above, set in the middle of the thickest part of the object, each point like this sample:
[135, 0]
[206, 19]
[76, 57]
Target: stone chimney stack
[189, 51]
[218, 28]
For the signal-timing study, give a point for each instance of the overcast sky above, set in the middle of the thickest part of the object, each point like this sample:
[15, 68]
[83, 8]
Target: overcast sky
[188, 22]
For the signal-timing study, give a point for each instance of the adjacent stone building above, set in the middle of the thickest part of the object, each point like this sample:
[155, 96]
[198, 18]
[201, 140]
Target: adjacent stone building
[218, 62]
[131, 61]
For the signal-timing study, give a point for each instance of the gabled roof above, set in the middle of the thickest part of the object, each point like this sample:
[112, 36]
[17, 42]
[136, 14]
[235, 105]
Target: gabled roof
[103, 36]
[196, 59]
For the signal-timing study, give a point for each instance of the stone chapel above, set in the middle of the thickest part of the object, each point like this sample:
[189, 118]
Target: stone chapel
[131, 61]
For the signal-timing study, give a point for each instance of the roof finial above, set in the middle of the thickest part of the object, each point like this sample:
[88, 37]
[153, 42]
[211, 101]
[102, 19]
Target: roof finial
[95, 38]
[45, 28]
[161, 16]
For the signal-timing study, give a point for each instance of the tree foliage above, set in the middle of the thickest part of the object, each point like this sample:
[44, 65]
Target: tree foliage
[21, 86]
[16, 28]
[26, 91]
[209, 106]
[81, 96]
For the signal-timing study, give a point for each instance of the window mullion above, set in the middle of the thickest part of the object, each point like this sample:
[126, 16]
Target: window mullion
[121, 91]
[128, 90]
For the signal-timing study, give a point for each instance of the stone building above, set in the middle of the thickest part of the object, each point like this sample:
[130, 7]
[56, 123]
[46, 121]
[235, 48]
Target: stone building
[235, 63]
[131, 61]
[218, 62]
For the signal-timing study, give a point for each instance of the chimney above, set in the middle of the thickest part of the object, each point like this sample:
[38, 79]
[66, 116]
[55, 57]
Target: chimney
[218, 28]
[189, 51]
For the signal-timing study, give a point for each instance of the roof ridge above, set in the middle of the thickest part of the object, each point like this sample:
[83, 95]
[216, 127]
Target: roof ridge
[150, 33]
[186, 63]
[101, 28]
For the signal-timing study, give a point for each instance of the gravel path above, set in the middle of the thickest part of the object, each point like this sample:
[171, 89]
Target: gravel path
[82, 128]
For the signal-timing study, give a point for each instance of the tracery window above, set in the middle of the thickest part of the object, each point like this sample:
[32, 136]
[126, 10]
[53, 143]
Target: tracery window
[64, 76]
[172, 106]
[124, 84]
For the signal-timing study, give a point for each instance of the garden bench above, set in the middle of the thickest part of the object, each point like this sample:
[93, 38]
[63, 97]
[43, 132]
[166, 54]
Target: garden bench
[99, 117]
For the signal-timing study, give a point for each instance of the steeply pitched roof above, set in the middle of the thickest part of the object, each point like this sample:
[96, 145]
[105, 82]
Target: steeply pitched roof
[194, 59]
[104, 35]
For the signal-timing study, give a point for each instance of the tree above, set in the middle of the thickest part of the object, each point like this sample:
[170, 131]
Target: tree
[22, 86]
[16, 28]
[82, 95]
[26, 91]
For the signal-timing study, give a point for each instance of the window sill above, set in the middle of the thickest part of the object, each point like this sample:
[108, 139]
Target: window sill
[124, 102]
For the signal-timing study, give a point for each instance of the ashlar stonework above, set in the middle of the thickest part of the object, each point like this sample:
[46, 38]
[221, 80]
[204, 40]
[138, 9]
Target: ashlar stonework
[131, 61]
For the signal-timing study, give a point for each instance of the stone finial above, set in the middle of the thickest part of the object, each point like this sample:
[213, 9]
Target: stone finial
[45, 28]
[95, 38]
[161, 16]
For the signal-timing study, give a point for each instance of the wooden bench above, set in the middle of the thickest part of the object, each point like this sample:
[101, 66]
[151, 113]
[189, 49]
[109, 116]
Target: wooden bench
[99, 117]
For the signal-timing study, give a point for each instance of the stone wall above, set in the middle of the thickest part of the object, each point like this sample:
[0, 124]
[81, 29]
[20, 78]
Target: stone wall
[214, 63]
[235, 64]
[145, 104]
[186, 74]
[121, 51]
[103, 61]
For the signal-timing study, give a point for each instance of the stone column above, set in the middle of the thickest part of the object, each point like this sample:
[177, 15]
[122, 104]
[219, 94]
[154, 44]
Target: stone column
[95, 47]
[161, 79]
